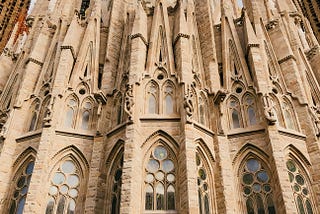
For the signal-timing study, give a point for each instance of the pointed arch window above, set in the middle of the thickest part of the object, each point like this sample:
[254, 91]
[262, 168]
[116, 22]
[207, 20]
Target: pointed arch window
[235, 113]
[64, 189]
[70, 114]
[35, 114]
[85, 122]
[160, 177]
[202, 111]
[153, 92]
[116, 185]
[300, 187]
[203, 187]
[250, 110]
[169, 105]
[118, 109]
[256, 187]
[288, 116]
[21, 187]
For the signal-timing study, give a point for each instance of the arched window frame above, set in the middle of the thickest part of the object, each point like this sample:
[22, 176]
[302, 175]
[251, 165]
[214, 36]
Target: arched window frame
[246, 106]
[202, 103]
[266, 187]
[303, 190]
[118, 109]
[165, 181]
[55, 193]
[205, 184]
[86, 106]
[234, 106]
[35, 106]
[70, 105]
[44, 111]
[24, 170]
[167, 92]
[114, 181]
[152, 90]
[288, 110]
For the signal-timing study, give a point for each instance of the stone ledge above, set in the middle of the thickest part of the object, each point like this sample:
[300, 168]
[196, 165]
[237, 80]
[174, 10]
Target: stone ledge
[291, 133]
[241, 132]
[76, 133]
[29, 136]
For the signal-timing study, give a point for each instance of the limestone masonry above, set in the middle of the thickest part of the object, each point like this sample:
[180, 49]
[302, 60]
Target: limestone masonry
[160, 107]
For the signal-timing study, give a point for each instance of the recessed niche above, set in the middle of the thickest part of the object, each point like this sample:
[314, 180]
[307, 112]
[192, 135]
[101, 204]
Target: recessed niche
[160, 77]
[82, 91]
[238, 90]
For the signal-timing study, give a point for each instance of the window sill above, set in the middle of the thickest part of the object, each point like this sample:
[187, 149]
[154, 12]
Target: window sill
[76, 133]
[291, 133]
[160, 212]
[160, 117]
[247, 130]
[29, 135]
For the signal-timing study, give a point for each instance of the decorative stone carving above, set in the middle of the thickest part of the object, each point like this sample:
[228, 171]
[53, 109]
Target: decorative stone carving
[149, 5]
[315, 110]
[48, 115]
[129, 101]
[188, 103]
[268, 106]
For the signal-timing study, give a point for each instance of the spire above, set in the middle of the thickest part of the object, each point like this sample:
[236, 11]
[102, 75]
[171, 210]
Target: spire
[250, 35]
[140, 22]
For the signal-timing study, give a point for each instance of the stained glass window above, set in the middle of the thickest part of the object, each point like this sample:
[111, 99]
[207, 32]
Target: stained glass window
[160, 192]
[203, 187]
[116, 186]
[21, 189]
[256, 187]
[300, 188]
[64, 189]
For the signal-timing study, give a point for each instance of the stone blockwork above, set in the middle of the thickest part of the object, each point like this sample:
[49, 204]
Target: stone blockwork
[161, 106]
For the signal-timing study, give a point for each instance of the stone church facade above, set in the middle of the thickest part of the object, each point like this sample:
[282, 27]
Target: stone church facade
[161, 106]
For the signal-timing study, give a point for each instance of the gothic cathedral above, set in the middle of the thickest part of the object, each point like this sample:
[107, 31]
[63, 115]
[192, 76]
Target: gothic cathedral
[161, 107]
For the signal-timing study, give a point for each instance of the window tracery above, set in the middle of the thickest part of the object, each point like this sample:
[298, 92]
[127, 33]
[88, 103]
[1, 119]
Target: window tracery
[250, 110]
[168, 94]
[160, 191]
[21, 188]
[86, 112]
[116, 186]
[300, 187]
[256, 187]
[72, 106]
[203, 187]
[64, 189]
[288, 116]
[153, 93]
[235, 110]
[35, 114]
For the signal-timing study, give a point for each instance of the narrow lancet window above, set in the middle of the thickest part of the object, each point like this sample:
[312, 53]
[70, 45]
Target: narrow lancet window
[69, 119]
[21, 189]
[300, 187]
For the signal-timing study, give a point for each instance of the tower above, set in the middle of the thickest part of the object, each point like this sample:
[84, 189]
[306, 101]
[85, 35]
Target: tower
[161, 106]
[10, 11]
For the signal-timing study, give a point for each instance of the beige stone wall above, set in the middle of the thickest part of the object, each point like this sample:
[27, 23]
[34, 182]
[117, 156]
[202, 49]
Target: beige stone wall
[94, 89]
